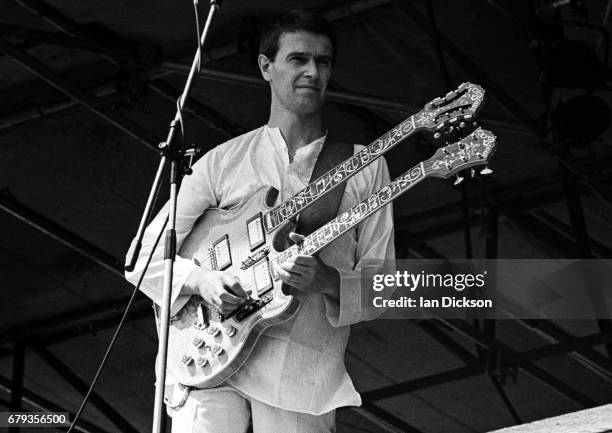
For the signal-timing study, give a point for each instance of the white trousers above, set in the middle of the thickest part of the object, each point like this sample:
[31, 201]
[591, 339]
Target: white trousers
[225, 410]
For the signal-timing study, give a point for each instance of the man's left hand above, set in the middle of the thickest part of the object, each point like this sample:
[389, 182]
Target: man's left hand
[309, 274]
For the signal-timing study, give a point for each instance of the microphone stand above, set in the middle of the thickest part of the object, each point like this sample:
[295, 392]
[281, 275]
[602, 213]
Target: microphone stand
[169, 152]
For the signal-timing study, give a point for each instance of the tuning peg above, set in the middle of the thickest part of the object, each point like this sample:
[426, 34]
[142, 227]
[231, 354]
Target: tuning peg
[437, 135]
[472, 172]
[486, 171]
[458, 180]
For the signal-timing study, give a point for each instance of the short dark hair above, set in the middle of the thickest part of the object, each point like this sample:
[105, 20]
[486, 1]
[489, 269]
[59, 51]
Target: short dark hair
[290, 22]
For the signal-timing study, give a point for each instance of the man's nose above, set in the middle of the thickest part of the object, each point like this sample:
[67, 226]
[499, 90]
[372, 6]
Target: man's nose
[312, 69]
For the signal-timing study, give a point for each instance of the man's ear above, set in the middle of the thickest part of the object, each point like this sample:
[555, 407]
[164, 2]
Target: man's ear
[264, 66]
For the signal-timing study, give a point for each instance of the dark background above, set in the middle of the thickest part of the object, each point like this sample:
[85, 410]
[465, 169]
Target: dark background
[73, 186]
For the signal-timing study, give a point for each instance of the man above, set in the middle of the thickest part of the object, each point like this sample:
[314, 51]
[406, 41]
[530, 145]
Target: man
[295, 377]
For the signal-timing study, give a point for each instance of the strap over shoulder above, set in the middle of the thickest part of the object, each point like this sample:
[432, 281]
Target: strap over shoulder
[326, 208]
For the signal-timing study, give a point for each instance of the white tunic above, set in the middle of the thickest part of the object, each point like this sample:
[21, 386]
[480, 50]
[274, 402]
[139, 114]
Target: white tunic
[297, 365]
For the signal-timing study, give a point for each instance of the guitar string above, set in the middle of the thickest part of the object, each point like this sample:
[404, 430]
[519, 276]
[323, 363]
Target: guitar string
[410, 122]
[329, 177]
[426, 169]
[465, 108]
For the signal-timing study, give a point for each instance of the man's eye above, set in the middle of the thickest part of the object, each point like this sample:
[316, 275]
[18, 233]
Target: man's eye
[298, 59]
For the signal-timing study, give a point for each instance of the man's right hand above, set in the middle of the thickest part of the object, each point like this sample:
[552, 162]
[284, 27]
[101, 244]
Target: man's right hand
[218, 288]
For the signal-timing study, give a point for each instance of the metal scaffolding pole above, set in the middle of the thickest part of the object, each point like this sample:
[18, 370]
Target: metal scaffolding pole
[35, 112]
[477, 369]
[93, 104]
[588, 357]
[201, 111]
[37, 37]
[598, 249]
[61, 235]
[583, 244]
[18, 373]
[493, 89]
[81, 387]
[77, 322]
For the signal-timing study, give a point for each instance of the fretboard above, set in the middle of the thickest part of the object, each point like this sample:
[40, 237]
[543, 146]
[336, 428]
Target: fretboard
[315, 190]
[353, 216]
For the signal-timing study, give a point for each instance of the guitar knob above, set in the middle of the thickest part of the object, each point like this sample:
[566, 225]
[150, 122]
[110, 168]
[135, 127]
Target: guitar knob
[486, 171]
[462, 125]
[230, 330]
[213, 330]
[437, 135]
[458, 180]
[187, 359]
[217, 350]
[202, 361]
[198, 342]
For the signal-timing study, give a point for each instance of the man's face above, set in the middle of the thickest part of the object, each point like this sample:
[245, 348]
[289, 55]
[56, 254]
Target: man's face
[299, 74]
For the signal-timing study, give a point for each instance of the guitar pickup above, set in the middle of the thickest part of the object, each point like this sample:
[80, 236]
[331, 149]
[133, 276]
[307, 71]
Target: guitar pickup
[221, 254]
[262, 277]
[256, 232]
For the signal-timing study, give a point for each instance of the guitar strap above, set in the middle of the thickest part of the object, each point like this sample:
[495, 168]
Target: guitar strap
[326, 208]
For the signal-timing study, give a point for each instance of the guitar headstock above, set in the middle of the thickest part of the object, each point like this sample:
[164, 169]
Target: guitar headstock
[475, 149]
[456, 105]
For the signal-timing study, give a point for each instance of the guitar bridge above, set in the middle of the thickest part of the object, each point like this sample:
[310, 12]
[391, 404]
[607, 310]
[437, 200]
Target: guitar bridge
[251, 260]
[251, 306]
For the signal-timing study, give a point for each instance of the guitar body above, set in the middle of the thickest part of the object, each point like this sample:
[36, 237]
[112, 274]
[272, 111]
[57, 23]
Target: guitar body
[205, 349]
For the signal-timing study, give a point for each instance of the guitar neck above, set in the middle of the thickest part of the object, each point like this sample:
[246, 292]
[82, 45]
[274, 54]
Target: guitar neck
[475, 149]
[353, 216]
[317, 189]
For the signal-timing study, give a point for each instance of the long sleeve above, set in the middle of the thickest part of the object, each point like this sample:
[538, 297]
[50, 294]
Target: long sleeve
[374, 254]
[196, 194]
